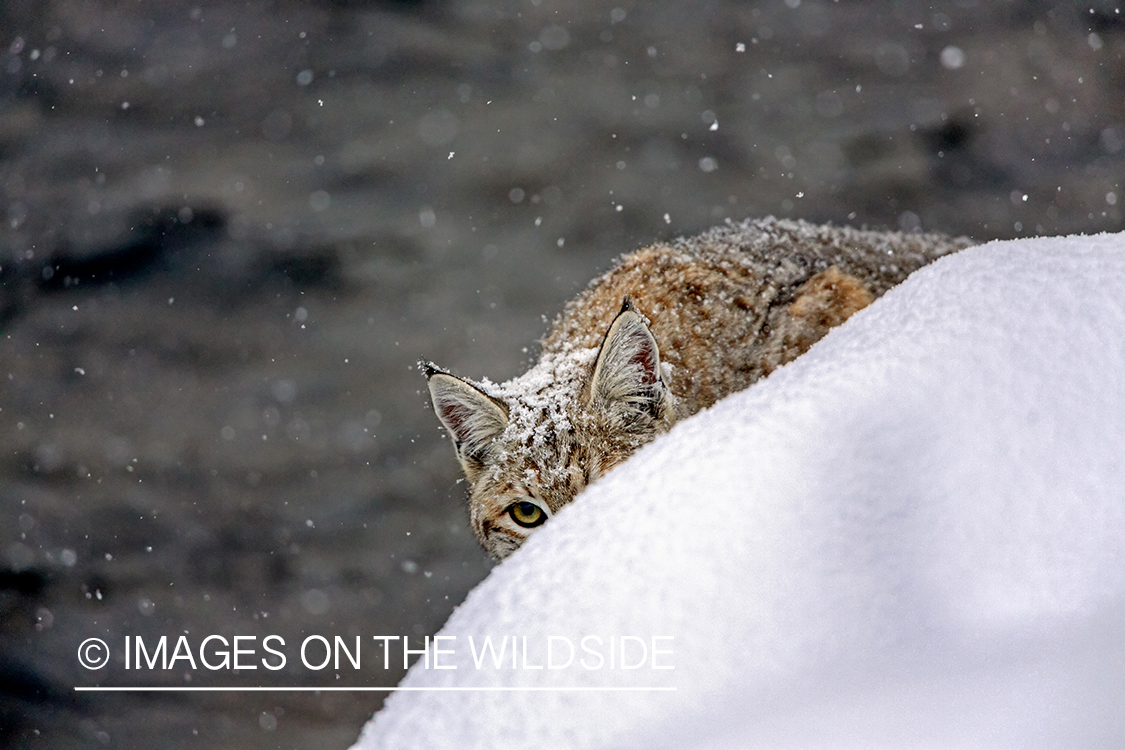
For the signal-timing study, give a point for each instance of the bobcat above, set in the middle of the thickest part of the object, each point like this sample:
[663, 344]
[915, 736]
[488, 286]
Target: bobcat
[670, 330]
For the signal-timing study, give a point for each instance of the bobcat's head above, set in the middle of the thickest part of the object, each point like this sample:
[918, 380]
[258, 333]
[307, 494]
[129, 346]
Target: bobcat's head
[527, 447]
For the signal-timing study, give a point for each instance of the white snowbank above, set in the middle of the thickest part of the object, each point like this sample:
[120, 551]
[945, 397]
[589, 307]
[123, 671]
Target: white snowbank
[913, 536]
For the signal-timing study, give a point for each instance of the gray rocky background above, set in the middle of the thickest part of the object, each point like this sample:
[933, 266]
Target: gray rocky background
[230, 229]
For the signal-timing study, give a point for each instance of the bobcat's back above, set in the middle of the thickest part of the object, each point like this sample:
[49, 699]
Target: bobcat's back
[703, 317]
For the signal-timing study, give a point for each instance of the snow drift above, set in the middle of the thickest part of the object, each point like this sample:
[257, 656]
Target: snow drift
[914, 535]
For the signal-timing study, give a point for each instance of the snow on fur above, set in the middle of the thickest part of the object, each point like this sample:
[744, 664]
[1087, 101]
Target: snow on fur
[914, 535]
[776, 253]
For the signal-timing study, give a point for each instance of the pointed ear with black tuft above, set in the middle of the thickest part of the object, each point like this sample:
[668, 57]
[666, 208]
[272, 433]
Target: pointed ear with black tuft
[627, 372]
[472, 417]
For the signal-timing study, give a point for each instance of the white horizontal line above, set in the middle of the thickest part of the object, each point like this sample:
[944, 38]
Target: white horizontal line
[140, 689]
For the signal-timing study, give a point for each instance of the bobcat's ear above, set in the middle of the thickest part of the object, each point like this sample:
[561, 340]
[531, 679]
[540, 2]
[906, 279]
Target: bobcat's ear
[472, 417]
[627, 371]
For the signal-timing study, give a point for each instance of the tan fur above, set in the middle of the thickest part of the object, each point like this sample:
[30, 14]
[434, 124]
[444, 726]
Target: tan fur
[702, 318]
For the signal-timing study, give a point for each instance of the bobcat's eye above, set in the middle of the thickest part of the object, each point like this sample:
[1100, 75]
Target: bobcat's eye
[527, 514]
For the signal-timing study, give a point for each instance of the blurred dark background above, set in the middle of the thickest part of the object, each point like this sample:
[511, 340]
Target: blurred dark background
[230, 229]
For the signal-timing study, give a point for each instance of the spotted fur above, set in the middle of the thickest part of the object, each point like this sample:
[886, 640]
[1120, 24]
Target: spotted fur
[670, 330]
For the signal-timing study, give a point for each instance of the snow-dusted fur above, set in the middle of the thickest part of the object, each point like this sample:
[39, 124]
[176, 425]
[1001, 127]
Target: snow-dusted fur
[670, 330]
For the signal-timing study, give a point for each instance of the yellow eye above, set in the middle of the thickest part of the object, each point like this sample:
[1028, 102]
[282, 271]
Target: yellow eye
[527, 514]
